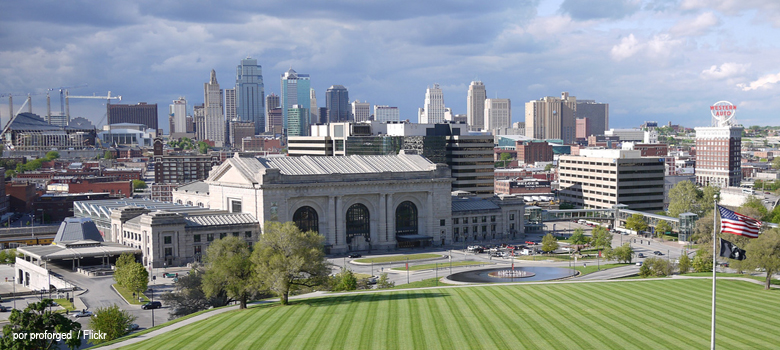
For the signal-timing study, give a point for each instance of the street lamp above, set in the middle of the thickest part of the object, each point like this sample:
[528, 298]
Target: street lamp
[151, 292]
[407, 270]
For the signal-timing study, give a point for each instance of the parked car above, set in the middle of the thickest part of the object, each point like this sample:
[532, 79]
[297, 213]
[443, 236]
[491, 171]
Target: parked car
[657, 252]
[169, 275]
[640, 255]
[354, 255]
[4, 308]
[372, 280]
[638, 263]
[132, 327]
[83, 313]
[151, 305]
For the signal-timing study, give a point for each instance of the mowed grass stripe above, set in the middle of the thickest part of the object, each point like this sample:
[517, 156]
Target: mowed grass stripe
[207, 335]
[382, 322]
[441, 322]
[537, 313]
[325, 314]
[415, 315]
[603, 336]
[501, 316]
[564, 325]
[404, 337]
[517, 296]
[366, 340]
[751, 301]
[563, 306]
[464, 320]
[489, 319]
[613, 316]
[343, 328]
[301, 329]
[254, 324]
[520, 324]
[355, 326]
[392, 319]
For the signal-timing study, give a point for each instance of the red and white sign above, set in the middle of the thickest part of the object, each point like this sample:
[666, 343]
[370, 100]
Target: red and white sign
[723, 110]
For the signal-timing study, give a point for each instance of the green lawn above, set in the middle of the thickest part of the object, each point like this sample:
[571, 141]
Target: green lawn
[66, 304]
[635, 314]
[441, 265]
[128, 295]
[398, 258]
[591, 268]
[761, 279]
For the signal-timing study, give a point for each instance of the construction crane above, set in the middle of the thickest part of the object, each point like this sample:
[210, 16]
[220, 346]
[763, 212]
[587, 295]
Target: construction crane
[62, 90]
[107, 98]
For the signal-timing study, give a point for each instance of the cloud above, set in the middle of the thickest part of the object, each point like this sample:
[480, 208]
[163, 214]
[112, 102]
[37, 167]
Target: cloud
[726, 70]
[700, 25]
[764, 82]
[628, 47]
[584, 10]
[765, 10]
[657, 50]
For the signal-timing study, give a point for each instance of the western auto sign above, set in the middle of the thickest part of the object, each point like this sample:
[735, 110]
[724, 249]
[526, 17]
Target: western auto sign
[723, 110]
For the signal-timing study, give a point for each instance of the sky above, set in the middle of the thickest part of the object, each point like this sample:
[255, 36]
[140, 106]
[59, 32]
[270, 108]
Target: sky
[651, 60]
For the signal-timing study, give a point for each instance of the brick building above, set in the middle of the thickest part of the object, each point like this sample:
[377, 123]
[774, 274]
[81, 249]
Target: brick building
[530, 152]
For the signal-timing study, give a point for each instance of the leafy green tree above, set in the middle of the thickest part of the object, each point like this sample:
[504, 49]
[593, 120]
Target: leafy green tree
[754, 208]
[345, 281]
[384, 281]
[764, 253]
[549, 243]
[37, 319]
[229, 270]
[139, 185]
[636, 222]
[623, 254]
[130, 274]
[188, 295]
[203, 147]
[655, 267]
[663, 227]
[702, 262]
[52, 155]
[112, 321]
[683, 198]
[776, 163]
[706, 199]
[685, 264]
[579, 239]
[286, 257]
[602, 239]
[548, 167]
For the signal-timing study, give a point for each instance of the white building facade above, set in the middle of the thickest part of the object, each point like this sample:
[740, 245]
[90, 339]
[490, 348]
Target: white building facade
[498, 113]
[386, 114]
[214, 119]
[475, 105]
[433, 110]
[361, 110]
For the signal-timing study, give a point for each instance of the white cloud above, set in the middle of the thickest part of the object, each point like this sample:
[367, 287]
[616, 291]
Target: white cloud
[726, 70]
[698, 26]
[764, 82]
[768, 10]
[628, 47]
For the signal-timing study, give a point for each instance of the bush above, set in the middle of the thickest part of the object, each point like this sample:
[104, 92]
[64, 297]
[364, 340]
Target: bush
[702, 262]
[384, 282]
[655, 267]
[685, 264]
[345, 281]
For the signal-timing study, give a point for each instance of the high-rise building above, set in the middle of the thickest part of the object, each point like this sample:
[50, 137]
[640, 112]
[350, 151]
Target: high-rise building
[498, 113]
[272, 103]
[386, 114]
[551, 118]
[141, 113]
[298, 124]
[275, 121]
[250, 93]
[212, 106]
[230, 104]
[199, 115]
[718, 156]
[178, 110]
[361, 111]
[315, 112]
[323, 115]
[433, 110]
[602, 178]
[337, 102]
[583, 129]
[296, 88]
[475, 105]
[597, 115]
[240, 129]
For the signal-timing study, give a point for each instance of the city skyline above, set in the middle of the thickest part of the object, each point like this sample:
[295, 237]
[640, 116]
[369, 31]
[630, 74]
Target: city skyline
[650, 60]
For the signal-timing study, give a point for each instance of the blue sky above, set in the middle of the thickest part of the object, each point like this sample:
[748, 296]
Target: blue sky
[661, 60]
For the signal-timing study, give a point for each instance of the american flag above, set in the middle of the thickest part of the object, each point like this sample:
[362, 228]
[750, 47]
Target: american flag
[738, 224]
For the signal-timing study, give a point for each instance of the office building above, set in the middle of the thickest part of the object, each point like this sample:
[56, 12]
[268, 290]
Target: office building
[250, 93]
[141, 113]
[718, 156]
[337, 102]
[214, 120]
[602, 178]
[178, 110]
[199, 118]
[240, 129]
[230, 104]
[361, 111]
[296, 88]
[583, 129]
[475, 106]
[298, 121]
[498, 113]
[433, 110]
[596, 114]
[386, 114]
[314, 110]
[551, 118]
[532, 151]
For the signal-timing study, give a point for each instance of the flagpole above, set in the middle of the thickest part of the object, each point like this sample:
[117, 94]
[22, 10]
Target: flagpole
[714, 264]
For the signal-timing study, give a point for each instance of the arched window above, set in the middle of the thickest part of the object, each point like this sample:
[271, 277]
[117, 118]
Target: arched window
[358, 222]
[179, 201]
[306, 219]
[189, 203]
[406, 219]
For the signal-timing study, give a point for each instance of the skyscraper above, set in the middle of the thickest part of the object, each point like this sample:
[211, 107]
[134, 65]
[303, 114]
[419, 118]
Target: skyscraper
[250, 93]
[386, 114]
[475, 106]
[337, 102]
[361, 111]
[295, 91]
[315, 112]
[433, 110]
[298, 121]
[141, 113]
[230, 104]
[551, 118]
[597, 115]
[178, 112]
[498, 113]
[214, 120]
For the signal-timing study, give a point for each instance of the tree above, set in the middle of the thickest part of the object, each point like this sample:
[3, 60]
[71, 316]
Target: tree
[636, 222]
[754, 208]
[776, 163]
[655, 267]
[37, 319]
[683, 198]
[130, 274]
[505, 158]
[702, 262]
[579, 238]
[685, 264]
[287, 258]
[602, 239]
[663, 227]
[188, 295]
[622, 254]
[109, 155]
[384, 282]
[764, 253]
[549, 243]
[112, 321]
[52, 155]
[139, 185]
[548, 167]
[345, 281]
[229, 269]
[702, 233]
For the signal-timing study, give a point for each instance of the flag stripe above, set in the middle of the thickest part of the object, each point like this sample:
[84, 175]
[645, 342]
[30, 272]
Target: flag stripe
[738, 224]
